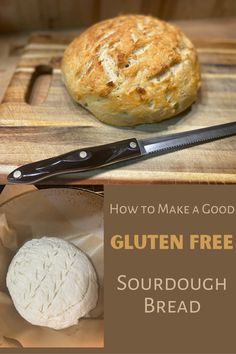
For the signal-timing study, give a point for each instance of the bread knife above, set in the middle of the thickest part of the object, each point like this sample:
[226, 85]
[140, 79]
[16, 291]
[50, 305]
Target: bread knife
[99, 156]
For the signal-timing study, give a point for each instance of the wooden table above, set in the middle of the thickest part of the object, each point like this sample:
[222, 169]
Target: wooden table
[32, 132]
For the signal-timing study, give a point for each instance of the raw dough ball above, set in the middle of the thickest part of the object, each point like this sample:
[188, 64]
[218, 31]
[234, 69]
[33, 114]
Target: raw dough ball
[52, 283]
[131, 70]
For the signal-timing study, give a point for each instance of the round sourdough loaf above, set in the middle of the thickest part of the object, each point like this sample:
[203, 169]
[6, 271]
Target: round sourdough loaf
[131, 70]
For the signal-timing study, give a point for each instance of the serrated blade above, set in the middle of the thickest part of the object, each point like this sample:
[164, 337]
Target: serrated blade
[178, 141]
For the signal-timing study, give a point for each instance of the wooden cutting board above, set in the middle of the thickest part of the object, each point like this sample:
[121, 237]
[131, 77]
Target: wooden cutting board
[38, 119]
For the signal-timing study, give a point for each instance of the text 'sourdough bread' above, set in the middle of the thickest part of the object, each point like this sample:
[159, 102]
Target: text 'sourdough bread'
[131, 70]
[52, 283]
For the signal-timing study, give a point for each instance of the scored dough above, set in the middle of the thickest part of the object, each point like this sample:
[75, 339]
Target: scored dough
[52, 283]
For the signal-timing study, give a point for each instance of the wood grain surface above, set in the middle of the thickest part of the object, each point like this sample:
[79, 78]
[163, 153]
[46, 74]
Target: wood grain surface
[31, 132]
[21, 15]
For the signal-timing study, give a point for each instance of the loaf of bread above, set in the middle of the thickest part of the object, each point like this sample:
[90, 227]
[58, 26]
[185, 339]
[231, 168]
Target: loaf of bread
[132, 70]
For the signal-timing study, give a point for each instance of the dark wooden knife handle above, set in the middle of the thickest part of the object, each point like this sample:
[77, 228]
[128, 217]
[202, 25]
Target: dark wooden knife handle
[76, 161]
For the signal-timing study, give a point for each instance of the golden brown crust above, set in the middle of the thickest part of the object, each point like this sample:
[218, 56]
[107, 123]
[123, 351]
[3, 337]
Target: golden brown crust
[131, 70]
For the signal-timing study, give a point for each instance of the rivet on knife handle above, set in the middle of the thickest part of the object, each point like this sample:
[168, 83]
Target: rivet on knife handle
[76, 161]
